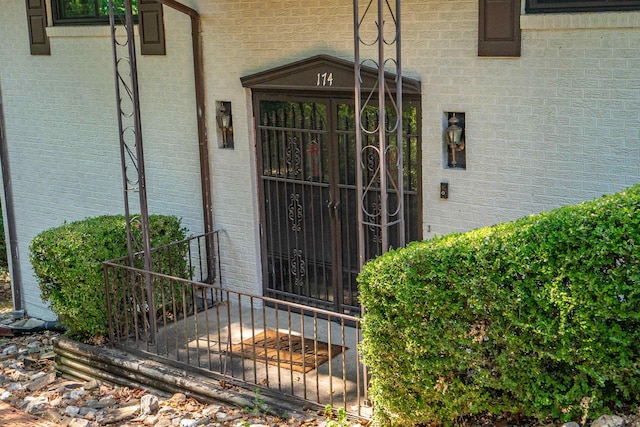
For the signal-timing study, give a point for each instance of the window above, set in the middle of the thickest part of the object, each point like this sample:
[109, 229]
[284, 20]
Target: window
[549, 6]
[86, 11]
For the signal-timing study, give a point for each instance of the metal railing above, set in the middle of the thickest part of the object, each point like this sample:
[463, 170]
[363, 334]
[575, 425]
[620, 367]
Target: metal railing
[306, 353]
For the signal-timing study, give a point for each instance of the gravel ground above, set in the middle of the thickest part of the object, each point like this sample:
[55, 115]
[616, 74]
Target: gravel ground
[29, 383]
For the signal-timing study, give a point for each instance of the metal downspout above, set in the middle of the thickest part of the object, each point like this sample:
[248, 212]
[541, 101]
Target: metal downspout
[205, 172]
[16, 281]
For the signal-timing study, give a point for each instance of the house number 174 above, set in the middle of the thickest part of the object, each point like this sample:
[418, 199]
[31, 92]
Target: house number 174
[325, 79]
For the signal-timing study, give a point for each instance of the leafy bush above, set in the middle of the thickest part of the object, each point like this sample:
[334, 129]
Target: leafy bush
[539, 317]
[67, 261]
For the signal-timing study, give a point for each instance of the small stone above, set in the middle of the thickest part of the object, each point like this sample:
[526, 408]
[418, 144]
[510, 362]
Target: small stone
[15, 387]
[167, 411]
[6, 396]
[571, 424]
[105, 402]
[85, 410]
[12, 349]
[150, 420]
[163, 423]
[79, 422]
[76, 394]
[22, 404]
[41, 382]
[36, 405]
[188, 423]
[91, 385]
[72, 411]
[119, 414]
[608, 421]
[37, 375]
[221, 415]
[28, 362]
[178, 398]
[72, 386]
[51, 415]
[33, 348]
[211, 410]
[149, 404]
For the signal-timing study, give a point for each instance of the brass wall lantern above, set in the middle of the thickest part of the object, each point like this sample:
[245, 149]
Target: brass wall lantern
[455, 140]
[225, 123]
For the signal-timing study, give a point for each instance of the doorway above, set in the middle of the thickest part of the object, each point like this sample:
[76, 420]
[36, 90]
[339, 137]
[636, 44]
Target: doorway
[306, 171]
[306, 152]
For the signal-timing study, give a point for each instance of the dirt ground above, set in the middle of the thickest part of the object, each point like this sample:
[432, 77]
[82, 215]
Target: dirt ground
[6, 302]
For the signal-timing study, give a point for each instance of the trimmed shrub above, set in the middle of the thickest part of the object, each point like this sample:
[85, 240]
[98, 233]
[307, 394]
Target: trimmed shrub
[67, 261]
[539, 317]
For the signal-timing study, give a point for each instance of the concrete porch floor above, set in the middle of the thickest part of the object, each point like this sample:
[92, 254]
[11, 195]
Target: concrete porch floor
[205, 341]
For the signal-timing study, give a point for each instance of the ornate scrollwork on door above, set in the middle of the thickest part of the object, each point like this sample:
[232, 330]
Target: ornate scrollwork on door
[295, 213]
[298, 267]
[376, 236]
[294, 156]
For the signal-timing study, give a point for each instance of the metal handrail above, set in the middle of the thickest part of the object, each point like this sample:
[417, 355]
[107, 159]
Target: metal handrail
[307, 353]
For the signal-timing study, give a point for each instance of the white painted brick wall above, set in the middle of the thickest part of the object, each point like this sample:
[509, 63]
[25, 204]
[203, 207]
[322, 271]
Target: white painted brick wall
[62, 132]
[557, 126]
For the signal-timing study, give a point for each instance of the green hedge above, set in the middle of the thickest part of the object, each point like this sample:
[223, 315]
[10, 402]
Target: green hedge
[67, 261]
[539, 317]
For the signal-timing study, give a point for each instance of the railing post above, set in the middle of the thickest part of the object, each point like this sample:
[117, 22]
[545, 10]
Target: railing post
[107, 289]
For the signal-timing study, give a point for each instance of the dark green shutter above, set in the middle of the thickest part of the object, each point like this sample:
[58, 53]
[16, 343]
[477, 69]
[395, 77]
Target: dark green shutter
[151, 27]
[37, 24]
[499, 28]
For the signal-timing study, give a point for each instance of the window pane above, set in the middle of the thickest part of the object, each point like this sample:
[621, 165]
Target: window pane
[119, 5]
[77, 8]
[90, 10]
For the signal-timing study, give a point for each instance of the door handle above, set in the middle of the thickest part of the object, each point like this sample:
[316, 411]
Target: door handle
[336, 206]
[330, 205]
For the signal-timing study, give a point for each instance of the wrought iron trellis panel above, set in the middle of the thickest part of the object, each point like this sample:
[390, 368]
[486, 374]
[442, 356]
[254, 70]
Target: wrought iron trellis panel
[376, 26]
[130, 135]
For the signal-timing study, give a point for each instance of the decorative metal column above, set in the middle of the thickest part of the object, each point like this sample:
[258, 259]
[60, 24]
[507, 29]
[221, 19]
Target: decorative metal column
[130, 133]
[379, 173]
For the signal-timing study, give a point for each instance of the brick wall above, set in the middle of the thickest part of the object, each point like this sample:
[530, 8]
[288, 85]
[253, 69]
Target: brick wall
[557, 126]
[62, 133]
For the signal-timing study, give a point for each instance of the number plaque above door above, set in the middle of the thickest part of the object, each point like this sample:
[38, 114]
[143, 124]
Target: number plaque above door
[323, 73]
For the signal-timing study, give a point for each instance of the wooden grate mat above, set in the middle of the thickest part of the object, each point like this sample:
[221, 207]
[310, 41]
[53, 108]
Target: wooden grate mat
[286, 350]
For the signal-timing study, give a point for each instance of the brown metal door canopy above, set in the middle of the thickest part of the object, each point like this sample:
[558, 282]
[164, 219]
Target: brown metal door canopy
[323, 73]
[306, 153]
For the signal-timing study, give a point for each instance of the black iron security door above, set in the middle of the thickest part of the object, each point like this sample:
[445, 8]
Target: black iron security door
[307, 176]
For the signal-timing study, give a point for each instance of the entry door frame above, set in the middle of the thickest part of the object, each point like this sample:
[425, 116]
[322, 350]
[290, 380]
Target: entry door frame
[327, 77]
[331, 100]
